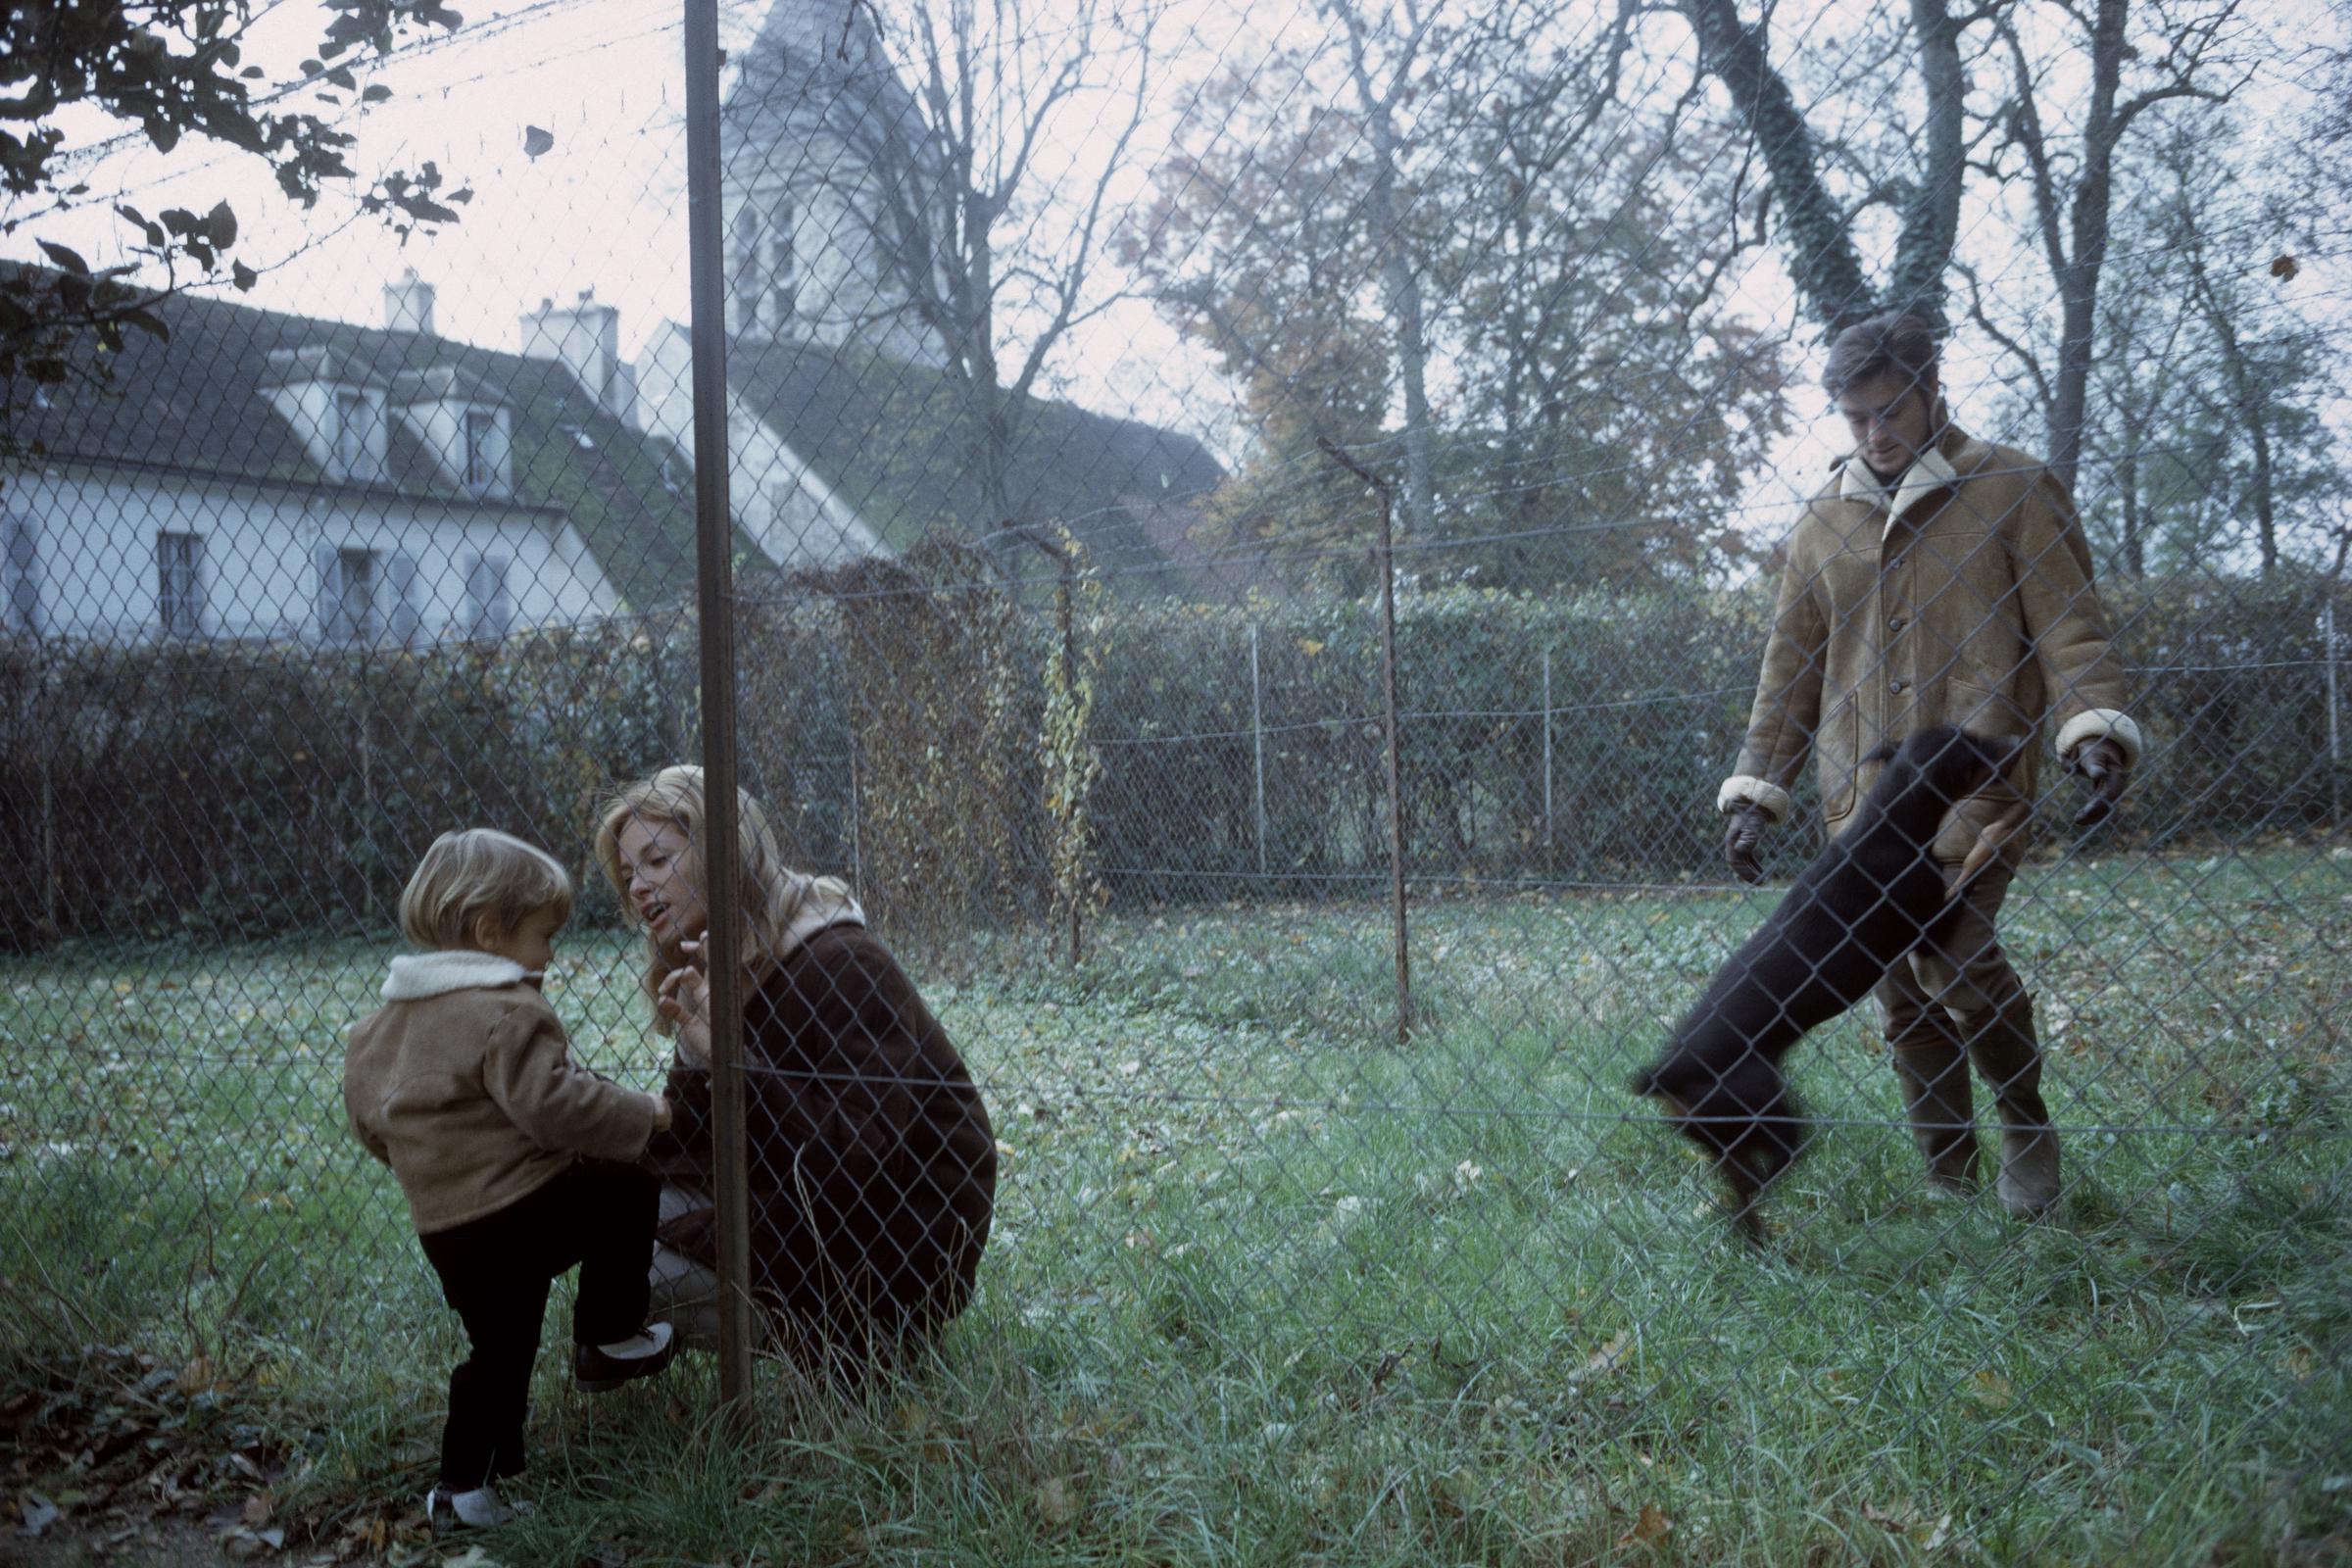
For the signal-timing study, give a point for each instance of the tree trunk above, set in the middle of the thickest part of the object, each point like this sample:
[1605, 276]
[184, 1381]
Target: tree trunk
[1818, 245]
[2127, 483]
[1932, 214]
[2078, 322]
[1400, 282]
[2246, 401]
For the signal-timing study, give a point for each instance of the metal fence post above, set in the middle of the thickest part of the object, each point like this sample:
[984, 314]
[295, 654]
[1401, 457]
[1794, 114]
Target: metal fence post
[1547, 855]
[2335, 737]
[52, 879]
[1387, 554]
[1257, 747]
[714, 597]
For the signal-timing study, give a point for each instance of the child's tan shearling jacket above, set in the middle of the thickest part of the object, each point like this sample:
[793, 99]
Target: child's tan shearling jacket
[464, 1084]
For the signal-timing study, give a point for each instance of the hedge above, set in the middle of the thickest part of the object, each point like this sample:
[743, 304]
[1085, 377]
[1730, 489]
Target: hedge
[243, 791]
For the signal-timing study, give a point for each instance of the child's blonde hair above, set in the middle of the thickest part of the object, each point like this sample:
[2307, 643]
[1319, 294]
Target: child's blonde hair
[479, 877]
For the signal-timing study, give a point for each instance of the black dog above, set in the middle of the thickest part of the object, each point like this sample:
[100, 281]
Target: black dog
[1861, 904]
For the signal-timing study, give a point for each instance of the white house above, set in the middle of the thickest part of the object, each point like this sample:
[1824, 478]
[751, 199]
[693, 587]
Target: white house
[274, 476]
[262, 475]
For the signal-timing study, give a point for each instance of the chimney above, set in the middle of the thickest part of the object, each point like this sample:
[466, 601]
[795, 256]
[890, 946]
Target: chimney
[586, 337]
[408, 304]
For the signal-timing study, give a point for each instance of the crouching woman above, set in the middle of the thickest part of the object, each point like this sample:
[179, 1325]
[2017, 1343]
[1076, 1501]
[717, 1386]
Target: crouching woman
[870, 1163]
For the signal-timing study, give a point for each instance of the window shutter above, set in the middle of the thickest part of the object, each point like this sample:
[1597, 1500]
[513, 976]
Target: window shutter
[403, 619]
[23, 574]
[326, 560]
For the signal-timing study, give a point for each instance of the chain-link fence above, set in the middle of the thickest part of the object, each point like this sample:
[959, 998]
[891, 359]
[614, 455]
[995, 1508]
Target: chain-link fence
[1248, 543]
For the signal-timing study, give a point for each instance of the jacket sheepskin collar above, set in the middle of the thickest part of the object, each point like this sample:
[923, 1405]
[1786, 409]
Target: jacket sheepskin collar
[1929, 472]
[418, 975]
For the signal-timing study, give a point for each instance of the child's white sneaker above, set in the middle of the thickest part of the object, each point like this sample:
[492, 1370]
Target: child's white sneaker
[602, 1368]
[446, 1512]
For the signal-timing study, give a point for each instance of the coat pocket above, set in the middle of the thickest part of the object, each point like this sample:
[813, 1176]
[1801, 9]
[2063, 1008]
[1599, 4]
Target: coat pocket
[1839, 745]
[1982, 710]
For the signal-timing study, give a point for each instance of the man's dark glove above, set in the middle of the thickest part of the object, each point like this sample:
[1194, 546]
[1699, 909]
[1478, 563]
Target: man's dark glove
[2101, 765]
[1743, 826]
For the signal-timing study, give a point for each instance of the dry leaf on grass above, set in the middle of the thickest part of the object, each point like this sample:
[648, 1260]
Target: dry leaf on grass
[1058, 1500]
[1652, 1527]
[1992, 1391]
[39, 1513]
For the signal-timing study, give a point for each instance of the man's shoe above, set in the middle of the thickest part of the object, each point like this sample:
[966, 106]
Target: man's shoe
[602, 1368]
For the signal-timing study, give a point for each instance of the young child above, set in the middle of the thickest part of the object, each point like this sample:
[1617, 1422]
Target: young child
[515, 1163]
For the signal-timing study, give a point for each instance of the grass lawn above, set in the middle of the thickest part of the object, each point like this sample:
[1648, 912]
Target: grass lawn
[1268, 1289]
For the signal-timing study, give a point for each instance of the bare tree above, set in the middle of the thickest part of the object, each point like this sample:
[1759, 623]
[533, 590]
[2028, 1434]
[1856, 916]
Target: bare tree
[989, 252]
[2113, 60]
[2073, 187]
[1815, 226]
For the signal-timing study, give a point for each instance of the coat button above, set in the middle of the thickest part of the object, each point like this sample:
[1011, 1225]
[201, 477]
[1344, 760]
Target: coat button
[1895, 686]
[1895, 625]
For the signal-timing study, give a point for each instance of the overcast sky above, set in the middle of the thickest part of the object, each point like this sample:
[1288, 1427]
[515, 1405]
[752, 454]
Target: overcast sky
[605, 208]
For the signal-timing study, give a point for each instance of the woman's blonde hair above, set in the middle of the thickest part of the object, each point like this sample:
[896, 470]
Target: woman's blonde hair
[479, 877]
[773, 894]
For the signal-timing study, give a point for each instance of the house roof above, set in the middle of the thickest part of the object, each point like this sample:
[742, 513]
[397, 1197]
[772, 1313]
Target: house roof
[894, 440]
[198, 406]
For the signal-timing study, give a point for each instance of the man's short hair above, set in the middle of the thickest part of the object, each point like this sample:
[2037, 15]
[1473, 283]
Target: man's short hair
[475, 876]
[1890, 343]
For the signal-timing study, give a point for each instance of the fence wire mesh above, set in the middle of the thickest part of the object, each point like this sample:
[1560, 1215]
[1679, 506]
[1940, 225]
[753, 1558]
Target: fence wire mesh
[1199, 956]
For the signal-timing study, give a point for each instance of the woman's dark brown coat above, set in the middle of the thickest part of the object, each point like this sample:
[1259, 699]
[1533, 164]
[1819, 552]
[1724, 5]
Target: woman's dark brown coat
[872, 1165]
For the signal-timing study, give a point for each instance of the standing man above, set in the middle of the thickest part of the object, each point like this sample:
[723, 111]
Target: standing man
[1938, 579]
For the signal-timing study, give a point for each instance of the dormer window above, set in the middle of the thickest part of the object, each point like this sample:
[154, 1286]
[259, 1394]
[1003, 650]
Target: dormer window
[482, 462]
[353, 421]
[476, 450]
[336, 406]
[456, 421]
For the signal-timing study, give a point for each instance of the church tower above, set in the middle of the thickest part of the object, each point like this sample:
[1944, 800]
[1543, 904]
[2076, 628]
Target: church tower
[819, 141]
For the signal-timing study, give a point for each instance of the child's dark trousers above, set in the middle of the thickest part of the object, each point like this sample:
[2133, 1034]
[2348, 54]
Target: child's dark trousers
[495, 1272]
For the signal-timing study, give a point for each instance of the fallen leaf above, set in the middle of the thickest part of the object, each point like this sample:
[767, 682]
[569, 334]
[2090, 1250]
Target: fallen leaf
[1058, 1502]
[1607, 1358]
[1649, 1529]
[2284, 268]
[39, 1515]
[1992, 1391]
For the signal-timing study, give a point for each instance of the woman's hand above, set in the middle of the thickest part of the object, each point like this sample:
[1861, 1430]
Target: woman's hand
[685, 1000]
